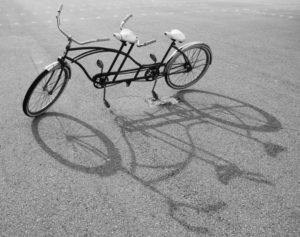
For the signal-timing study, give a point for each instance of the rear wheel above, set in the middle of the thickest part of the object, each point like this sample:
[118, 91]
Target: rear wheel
[44, 91]
[183, 71]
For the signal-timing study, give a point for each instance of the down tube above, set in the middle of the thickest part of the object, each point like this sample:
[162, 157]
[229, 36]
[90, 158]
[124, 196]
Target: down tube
[95, 50]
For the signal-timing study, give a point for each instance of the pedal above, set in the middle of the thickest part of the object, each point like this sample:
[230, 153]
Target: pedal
[128, 83]
[153, 57]
[155, 96]
[100, 64]
[107, 105]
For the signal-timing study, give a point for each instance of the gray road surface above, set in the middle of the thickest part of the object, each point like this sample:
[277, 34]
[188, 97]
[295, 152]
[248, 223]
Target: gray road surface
[222, 162]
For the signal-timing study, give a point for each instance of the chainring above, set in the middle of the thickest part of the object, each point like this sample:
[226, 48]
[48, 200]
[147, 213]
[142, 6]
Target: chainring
[151, 74]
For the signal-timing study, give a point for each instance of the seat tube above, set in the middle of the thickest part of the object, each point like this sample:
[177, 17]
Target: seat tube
[116, 57]
[123, 62]
[172, 45]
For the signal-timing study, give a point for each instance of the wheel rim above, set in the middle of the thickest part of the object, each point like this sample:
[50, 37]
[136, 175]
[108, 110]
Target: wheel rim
[181, 75]
[43, 94]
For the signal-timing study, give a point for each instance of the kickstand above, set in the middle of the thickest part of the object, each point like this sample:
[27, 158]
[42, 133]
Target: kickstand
[107, 105]
[154, 94]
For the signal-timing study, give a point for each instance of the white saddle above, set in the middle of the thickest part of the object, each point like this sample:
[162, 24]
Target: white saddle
[176, 35]
[126, 35]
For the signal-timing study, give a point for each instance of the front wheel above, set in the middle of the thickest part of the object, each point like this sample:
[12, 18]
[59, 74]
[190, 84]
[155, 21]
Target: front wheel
[187, 67]
[44, 91]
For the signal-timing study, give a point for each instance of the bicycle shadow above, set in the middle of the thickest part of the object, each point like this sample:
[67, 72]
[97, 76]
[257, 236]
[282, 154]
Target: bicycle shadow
[239, 118]
[234, 116]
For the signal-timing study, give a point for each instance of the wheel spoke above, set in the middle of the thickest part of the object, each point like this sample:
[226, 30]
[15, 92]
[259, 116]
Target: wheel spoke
[44, 93]
[179, 76]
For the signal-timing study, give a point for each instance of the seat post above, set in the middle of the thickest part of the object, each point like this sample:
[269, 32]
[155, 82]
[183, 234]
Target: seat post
[172, 45]
[123, 62]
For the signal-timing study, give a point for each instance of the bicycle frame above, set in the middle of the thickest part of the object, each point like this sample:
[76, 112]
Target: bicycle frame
[90, 50]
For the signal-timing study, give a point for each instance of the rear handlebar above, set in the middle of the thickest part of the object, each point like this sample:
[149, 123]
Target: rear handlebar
[125, 20]
[145, 44]
[60, 8]
[138, 44]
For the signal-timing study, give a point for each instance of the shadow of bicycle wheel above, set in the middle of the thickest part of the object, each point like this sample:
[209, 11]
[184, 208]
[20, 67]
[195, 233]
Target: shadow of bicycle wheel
[76, 144]
[228, 111]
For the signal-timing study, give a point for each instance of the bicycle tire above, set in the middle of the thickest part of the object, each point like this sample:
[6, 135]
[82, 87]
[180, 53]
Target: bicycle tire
[43, 92]
[176, 74]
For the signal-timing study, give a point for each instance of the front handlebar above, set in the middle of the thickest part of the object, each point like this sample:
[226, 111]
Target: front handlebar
[69, 37]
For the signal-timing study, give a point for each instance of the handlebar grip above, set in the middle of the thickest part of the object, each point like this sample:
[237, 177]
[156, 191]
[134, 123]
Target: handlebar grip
[60, 8]
[103, 39]
[127, 18]
[146, 43]
[150, 42]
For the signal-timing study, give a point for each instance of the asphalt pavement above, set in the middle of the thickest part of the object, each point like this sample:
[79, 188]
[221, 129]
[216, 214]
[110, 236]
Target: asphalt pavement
[224, 161]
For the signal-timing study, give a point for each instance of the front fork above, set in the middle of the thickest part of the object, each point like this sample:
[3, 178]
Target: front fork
[61, 61]
[59, 64]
